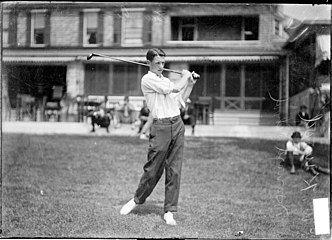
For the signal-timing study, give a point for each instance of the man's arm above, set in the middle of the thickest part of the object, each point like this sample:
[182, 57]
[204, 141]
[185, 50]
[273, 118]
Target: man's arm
[182, 83]
[185, 93]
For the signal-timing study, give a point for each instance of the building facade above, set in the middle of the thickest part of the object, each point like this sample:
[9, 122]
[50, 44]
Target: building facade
[236, 49]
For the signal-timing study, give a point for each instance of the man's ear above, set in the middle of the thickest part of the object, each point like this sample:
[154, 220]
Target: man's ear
[148, 62]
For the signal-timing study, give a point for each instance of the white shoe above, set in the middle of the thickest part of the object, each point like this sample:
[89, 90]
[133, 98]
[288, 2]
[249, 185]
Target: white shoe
[128, 207]
[143, 136]
[169, 218]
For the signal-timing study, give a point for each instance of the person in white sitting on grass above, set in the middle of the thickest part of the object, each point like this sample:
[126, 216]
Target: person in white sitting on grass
[299, 152]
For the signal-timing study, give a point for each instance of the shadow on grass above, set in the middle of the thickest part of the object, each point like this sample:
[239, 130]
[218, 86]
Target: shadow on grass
[147, 209]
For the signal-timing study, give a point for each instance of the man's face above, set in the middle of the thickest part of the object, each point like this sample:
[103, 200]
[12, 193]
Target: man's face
[157, 65]
[297, 140]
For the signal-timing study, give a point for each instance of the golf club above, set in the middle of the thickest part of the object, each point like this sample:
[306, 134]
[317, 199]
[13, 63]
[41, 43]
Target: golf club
[196, 76]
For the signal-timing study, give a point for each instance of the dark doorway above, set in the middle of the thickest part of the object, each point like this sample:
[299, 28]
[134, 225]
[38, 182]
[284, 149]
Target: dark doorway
[37, 81]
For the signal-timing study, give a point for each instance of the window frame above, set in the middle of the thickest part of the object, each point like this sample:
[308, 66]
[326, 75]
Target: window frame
[244, 31]
[32, 30]
[7, 43]
[84, 30]
[124, 13]
[277, 32]
[182, 25]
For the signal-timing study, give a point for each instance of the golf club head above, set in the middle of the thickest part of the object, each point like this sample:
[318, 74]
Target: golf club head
[90, 56]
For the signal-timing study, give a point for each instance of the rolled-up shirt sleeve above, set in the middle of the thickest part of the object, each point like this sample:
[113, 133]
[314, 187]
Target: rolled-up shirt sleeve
[290, 147]
[156, 84]
[307, 149]
[178, 99]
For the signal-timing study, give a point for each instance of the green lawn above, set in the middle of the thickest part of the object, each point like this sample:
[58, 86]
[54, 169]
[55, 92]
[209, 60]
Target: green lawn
[73, 186]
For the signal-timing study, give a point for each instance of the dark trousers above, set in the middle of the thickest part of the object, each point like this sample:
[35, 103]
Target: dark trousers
[141, 125]
[103, 122]
[295, 160]
[165, 152]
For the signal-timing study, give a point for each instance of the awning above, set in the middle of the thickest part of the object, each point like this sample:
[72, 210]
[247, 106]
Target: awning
[52, 59]
[192, 59]
[323, 48]
[38, 59]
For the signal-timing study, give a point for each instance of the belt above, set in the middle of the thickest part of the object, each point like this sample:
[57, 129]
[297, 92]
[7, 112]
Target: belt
[167, 120]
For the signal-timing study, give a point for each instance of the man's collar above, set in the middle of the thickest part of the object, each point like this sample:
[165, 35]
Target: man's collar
[161, 75]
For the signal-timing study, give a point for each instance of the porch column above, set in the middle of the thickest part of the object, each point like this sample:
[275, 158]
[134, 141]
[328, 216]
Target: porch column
[287, 89]
[75, 79]
[75, 87]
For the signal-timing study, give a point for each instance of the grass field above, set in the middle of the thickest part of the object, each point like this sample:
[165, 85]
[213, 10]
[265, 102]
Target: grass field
[74, 187]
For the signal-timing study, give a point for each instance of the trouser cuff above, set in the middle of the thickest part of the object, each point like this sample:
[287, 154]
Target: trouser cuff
[170, 209]
[136, 200]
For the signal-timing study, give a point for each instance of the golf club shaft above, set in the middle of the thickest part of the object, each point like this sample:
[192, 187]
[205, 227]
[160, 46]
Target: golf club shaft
[128, 61]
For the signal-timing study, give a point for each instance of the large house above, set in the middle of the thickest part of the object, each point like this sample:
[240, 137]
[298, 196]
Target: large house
[236, 48]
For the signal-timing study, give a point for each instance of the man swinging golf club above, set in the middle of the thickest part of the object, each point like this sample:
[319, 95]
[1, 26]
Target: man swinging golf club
[164, 99]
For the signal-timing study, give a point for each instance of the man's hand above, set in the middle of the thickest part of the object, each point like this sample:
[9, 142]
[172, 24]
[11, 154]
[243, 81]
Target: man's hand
[186, 74]
[194, 77]
[186, 77]
[191, 77]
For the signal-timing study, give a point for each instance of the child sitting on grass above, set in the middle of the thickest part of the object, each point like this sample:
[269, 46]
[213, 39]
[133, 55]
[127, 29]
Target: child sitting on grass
[299, 153]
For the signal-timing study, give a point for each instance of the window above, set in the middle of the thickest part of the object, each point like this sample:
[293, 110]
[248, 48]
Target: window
[188, 29]
[251, 28]
[277, 29]
[97, 79]
[213, 80]
[5, 27]
[252, 81]
[132, 27]
[126, 79]
[90, 28]
[214, 28]
[184, 28]
[38, 28]
[233, 80]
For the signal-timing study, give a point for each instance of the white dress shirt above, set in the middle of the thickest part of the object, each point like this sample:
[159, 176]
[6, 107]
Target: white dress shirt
[161, 101]
[297, 148]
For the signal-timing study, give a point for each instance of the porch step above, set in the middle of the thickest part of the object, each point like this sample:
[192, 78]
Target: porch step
[245, 118]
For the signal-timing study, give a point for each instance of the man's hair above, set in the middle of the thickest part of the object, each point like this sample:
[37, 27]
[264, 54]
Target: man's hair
[154, 52]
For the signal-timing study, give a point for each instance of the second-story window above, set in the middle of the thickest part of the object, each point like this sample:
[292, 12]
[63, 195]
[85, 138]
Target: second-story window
[188, 29]
[91, 28]
[38, 27]
[215, 28]
[277, 27]
[5, 29]
[132, 27]
[251, 28]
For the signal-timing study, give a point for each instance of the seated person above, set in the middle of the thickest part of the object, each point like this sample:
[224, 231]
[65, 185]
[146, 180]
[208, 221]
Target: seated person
[188, 116]
[302, 117]
[100, 118]
[299, 153]
[143, 116]
[125, 113]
